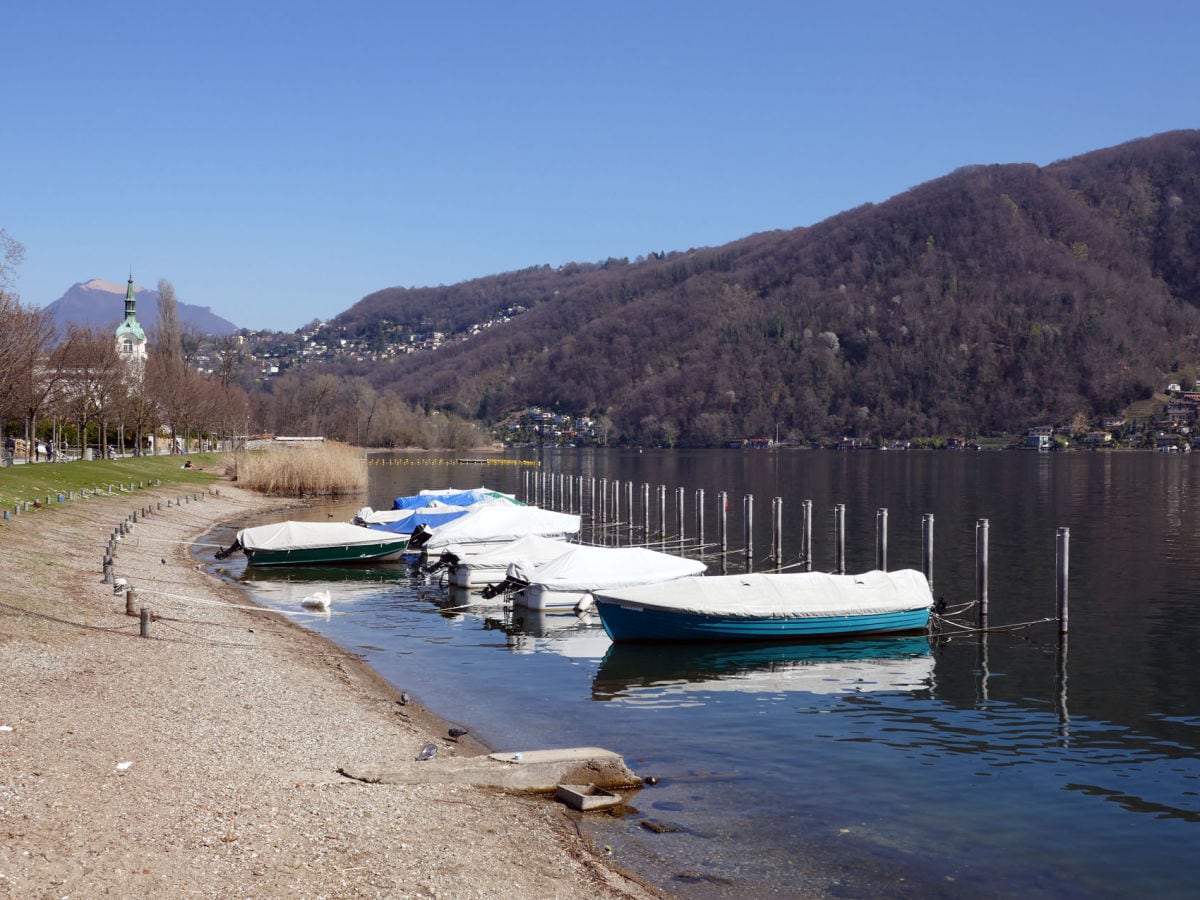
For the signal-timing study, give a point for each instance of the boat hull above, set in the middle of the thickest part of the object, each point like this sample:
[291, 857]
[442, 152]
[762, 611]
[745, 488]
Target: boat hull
[384, 551]
[537, 596]
[630, 622]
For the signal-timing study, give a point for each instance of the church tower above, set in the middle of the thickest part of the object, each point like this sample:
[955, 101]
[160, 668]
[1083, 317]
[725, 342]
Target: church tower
[131, 338]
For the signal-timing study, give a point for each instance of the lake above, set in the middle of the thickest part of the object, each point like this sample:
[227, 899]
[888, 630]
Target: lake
[983, 765]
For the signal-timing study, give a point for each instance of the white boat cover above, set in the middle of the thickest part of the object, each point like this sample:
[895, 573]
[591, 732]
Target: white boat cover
[309, 535]
[776, 595]
[588, 568]
[369, 516]
[498, 522]
[533, 550]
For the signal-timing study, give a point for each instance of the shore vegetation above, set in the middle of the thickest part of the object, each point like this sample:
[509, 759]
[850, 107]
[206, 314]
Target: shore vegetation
[327, 468]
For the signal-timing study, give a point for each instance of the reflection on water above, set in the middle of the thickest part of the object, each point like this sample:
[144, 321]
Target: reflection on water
[673, 674]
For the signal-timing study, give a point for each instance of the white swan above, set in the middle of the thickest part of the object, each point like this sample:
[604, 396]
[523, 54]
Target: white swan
[318, 600]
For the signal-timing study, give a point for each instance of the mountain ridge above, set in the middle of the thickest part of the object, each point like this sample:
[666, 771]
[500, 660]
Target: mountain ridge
[98, 303]
[989, 299]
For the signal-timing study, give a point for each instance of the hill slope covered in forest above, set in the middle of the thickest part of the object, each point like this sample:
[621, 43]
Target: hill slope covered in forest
[993, 298]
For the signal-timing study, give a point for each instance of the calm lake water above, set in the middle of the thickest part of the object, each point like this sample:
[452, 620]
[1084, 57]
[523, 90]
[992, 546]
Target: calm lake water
[981, 766]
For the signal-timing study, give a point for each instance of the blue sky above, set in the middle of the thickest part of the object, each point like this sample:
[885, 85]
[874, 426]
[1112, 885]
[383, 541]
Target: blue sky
[277, 161]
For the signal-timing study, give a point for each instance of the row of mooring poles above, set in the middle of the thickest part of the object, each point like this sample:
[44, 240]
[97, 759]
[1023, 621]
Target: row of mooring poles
[607, 509]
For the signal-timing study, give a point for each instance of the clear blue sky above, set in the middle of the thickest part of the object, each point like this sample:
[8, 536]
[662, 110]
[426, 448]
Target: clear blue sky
[277, 161]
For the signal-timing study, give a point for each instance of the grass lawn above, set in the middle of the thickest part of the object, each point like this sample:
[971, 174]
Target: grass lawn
[35, 481]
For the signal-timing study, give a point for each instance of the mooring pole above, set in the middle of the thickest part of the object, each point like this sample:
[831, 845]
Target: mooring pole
[679, 517]
[839, 539]
[748, 517]
[629, 507]
[603, 500]
[881, 539]
[700, 518]
[662, 512]
[646, 512]
[927, 547]
[723, 522]
[806, 550]
[1063, 567]
[981, 569]
[777, 528]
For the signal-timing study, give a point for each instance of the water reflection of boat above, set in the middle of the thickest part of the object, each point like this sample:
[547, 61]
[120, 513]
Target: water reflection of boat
[647, 673]
[325, 573]
[563, 633]
[292, 585]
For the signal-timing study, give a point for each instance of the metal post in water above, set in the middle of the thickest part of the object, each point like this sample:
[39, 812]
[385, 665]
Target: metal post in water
[881, 517]
[603, 500]
[927, 547]
[700, 518]
[1063, 543]
[839, 539]
[592, 497]
[777, 531]
[748, 516]
[629, 508]
[806, 548]
[646, 512]
[981, 569]
[723, 522]
[662, 512]
[679, 517]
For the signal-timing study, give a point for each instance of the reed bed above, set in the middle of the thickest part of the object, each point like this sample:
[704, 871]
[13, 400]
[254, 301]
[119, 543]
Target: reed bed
[297, 471]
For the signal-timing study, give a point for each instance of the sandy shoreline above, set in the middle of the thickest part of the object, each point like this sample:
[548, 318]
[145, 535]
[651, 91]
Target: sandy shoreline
[203, 761]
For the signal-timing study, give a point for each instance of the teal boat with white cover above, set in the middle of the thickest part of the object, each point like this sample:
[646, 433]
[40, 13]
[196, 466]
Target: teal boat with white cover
[766, 606]
[315, 543]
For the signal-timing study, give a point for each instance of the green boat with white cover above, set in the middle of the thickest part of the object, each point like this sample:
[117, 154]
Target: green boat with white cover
[315, 543]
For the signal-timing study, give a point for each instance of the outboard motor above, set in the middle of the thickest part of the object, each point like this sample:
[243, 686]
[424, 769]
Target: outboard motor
[446, 561]
[233, 548]
[515, 579]
[420, 537]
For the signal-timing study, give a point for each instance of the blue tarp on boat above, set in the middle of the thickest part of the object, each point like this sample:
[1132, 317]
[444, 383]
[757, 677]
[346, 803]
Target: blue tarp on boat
[451, 497]
[431, 517]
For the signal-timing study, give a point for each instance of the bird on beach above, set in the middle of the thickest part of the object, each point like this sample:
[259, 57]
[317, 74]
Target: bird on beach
[429, 751]
[404, 698]
[456, 732]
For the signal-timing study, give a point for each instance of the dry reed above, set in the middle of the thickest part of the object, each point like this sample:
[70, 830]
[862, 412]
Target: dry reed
[301, 470]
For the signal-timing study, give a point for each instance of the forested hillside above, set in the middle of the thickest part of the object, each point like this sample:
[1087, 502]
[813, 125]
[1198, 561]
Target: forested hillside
[988, 300]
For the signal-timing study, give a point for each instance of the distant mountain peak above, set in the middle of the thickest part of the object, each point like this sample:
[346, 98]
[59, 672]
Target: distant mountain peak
[109, 287]
[99, 303]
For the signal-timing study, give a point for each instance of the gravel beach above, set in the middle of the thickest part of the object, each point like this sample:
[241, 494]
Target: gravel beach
[204, 760]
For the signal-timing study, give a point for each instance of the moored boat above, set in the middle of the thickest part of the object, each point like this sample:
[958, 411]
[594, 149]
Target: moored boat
[569, 581]
[488, 526]
[767, 606]
[492, 566]
[293, 543]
